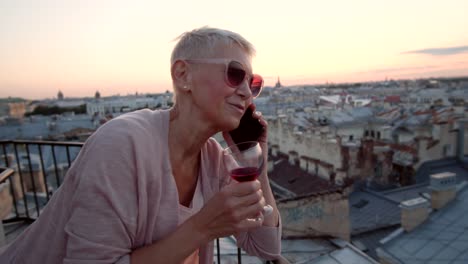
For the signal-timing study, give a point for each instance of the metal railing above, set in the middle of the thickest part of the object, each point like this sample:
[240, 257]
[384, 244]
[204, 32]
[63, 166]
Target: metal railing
[34, 162]
[31, 187]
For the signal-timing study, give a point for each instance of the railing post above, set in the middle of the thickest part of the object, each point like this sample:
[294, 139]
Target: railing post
[18, 163]
[218, 254]
[68, 156]
[55, 166]
[33, 183]
[44, 173]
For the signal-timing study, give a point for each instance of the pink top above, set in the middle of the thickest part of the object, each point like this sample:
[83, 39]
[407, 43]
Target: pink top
[119, 195]
[186, 212]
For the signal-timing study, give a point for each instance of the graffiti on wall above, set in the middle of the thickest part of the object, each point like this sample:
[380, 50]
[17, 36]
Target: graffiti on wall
[296, 214]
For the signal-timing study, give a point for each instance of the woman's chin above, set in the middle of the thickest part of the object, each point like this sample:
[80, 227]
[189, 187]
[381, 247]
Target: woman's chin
[231, 125]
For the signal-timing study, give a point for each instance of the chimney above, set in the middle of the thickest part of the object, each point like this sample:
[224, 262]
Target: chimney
[413, 213]
[443, 187]
[303, 163]
[312, 167]
[293, 157]
[270, 166]
[274, 150]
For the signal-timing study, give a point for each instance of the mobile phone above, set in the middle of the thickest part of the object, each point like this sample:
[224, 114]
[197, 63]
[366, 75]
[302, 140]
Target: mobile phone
[249, 128]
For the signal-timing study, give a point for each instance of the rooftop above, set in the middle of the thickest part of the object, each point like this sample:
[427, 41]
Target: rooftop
[451, 165]
[370, 211]
[368, 242]
[442, 238]
[43, 127]
[296, 180]
[326, 251]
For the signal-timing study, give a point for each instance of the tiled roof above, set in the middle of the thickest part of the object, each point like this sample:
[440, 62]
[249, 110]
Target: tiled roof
[297, 180]
[442, 165]
[442, 238]
[369, 211]
[39, 127]
[407, 193]
[392, 99]
[368, 242]
[323, 251]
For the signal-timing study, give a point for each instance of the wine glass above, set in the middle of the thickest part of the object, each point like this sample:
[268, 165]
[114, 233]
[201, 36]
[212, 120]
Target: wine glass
[244, 162]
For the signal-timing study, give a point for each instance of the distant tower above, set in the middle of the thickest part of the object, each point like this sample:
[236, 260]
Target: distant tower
[278, 83]
[97, 95]
[60, 95]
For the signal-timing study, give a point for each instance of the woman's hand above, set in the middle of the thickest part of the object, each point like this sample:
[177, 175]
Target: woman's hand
[226, 213]
[263, 139]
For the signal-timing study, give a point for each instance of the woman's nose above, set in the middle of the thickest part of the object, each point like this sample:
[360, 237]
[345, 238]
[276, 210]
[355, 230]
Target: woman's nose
[244, 90]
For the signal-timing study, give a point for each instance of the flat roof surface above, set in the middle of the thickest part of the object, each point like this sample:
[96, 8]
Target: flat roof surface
[443, 238]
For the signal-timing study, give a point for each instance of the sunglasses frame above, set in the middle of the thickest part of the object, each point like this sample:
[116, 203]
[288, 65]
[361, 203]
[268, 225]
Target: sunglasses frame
[226, 62]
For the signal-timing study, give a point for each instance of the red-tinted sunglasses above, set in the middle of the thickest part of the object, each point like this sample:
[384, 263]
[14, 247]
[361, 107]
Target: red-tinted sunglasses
[235, 74]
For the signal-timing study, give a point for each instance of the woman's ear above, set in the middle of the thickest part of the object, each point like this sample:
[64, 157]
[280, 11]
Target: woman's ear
[181, 76]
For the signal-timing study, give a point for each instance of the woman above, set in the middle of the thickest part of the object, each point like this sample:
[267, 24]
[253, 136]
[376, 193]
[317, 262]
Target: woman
[149, 186]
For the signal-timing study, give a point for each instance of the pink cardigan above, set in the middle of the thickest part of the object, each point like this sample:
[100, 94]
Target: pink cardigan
[119, 195]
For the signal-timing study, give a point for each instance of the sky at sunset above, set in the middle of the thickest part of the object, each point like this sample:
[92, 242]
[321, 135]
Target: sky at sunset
[122, 47]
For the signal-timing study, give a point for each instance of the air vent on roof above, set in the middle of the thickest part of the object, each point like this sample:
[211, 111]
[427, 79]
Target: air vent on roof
[361, 204]
[443, 181]
[443, 187]
[413, 213]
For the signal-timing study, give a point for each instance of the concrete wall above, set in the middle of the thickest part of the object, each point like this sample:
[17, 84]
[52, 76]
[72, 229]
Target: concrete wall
[17, 109]
[432, 150]
[38, 177]
[313, 145]
[356, 131]
[6, 201]
[313, 216]
[324, 171]
[404, 137]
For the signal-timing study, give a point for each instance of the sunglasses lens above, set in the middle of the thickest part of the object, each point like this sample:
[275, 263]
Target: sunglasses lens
[235, 73]
[256, 85]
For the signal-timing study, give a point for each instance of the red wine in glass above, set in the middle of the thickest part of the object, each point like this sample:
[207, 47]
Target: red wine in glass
[244, 161]
[244, 174]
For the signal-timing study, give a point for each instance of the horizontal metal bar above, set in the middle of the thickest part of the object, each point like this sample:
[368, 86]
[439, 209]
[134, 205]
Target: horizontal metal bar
[18, 219]
[41, 142]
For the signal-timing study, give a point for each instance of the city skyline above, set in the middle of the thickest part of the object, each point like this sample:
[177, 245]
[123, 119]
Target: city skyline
[120, 47]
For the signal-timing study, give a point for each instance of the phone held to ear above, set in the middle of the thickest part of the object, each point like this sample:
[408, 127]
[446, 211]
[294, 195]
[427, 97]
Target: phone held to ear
[249, 128]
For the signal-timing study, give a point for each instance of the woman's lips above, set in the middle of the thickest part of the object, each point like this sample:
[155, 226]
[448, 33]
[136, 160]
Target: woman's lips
[239, 107]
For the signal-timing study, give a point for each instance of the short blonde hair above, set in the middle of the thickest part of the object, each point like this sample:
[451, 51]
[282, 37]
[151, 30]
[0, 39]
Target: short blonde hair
[199, 43]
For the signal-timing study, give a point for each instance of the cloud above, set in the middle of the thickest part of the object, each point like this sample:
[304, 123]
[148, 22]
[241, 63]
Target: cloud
[460, 63]
[452, 72]
[439, 51]
[399, 69]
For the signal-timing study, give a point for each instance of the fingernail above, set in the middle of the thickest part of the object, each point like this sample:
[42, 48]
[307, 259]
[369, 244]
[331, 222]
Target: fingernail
[267, 210]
